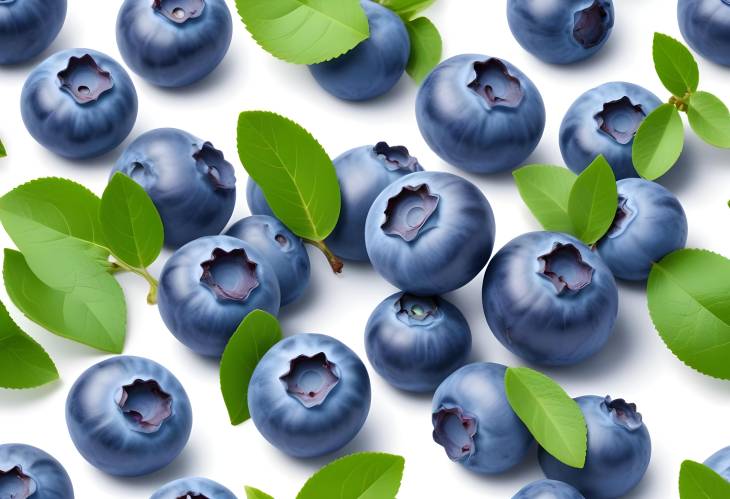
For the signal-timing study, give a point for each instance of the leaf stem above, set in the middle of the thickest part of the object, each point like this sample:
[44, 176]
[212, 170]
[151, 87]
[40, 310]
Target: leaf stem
[334, 262]
[142, 272]
[681, 103]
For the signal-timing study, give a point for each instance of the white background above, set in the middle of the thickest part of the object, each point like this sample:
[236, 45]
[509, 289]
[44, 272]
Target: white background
[686, 413]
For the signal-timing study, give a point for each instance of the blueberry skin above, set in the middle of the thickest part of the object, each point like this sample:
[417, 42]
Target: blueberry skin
[650, 223]
[334, 417]
[474, 422]
[209, 286]
[549, 299]
[283, 250]
[28, 27]
[705, 25]
[452, 243]
[720, 462]
[169, 51]
[56, 119]
[375, 65]
[26, 471]
[548, 489]
[145, 435]
[582, 137]
[415, 343]
[619, 450]
[189, 181]
[480, 113]
[561, 31]
[194, 487]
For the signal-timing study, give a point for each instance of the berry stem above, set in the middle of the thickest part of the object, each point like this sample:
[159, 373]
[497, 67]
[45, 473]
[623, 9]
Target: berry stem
[120, 266]
[334, 262]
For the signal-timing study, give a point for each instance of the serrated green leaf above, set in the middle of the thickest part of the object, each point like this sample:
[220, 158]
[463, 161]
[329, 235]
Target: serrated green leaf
[293, 170]
[675, 65]
[710, 119]
[305, 31]
[426, 47]
[367, 475]
[257, 333]
[546, 190]
[553, 418]
[688, 294]
[697, 481]
[407, 9]
[253, 493]
[3, 153]
[658, 142]
[593, 201]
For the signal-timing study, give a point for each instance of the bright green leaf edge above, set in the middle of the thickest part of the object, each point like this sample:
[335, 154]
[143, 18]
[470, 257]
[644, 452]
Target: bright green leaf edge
[697, 481]
[254, 493]
[545, 189]
[675, 65]
[3, 152]
[426, 48]
[658, 142]
[593, 201]
[710, 119]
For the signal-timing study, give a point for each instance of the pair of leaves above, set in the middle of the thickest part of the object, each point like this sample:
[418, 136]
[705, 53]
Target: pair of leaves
[583, 205]
[697, 481]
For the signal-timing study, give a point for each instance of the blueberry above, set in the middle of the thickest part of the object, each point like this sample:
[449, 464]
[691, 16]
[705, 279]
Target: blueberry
[604, 120]
[548, 489]
[619, 449]
[549, 299]
[705, 24]
[720, 462]
[415, 342]
[28, 27]
[283, 250]
[309, 395]
[173, 43]
[650, 223]
[128, 416]
[430, 232]
[79, 103]
[209, 286]
[374, 66]
[561, 32]
[29, 472]
[193, 488]
[189, 180]
[480, 113]
[474, 422]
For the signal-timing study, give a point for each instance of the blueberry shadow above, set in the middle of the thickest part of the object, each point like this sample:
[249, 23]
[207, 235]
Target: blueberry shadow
[225, 71]
[521, 474]
[31, 396]
[186, 464]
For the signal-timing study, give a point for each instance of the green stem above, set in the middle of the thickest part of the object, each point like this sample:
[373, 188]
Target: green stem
[334, 262]
[152, 295]
[681, 103]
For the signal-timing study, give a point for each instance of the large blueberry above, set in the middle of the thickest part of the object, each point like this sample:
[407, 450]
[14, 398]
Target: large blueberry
[720, 462]
[283, 250]
[548, 489]
[604, 121]
[474, 422]
[415, 342]
[173, 43]
[705, 24]
[79, 103]
[430, 232]
[650, 223]
[309, 395]
[128, 416]
[209, 286]
[619, 450]
[561, 31]
[549, 299]
[374, 66]
[480, 113]
[193, 488]
[29, 472]
[189, 180]
[28, 27]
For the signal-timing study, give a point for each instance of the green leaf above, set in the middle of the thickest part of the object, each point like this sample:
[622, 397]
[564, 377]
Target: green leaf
[546, 190]
[688, 293]
[257, 333]
[366, 475]
[697, 481]
[407, 9]
[23, 362]
[252, 493]
[710, 119]
[131, 224]
[92, 313]
[675, 65]
[658, 142]
[293, 170]
[553, 418]
[593, 201]
[426, 48]
[305, 31]
[3, 153]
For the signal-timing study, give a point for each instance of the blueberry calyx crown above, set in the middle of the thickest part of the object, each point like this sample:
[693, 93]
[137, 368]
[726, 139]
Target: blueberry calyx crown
[230, 274]
[419, 309]
[565, 269]
[145, 405]
[84, 79]
[211, 162]
[620, 119]
[623, 413]
[179, 11]
[496, 85]
[16, 484]
[311, 379]
[590, 25]
[454, 430]
[408, 211]
[622, 219]
[396, 158]
[192, 495]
